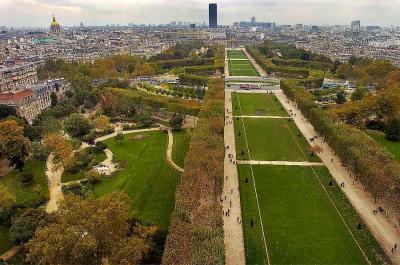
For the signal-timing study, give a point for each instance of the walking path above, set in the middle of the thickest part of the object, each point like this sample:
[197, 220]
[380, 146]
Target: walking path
[10, 253]
[279, 163]
[54, 173]
[384, 228]
[260, 70]
[233, 230]
[263, 117]
[169, 151]
[108, 136]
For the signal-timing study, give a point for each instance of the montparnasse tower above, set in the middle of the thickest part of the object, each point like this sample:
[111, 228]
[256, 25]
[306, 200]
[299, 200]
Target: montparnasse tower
[55, 28]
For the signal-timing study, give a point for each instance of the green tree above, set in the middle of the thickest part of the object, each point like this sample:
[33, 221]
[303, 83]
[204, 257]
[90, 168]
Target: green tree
[344, 71]
[24, 227]
[7, 200]
[13, 144]
[341, 97]
[393, 130]
[53, 99]
[86, 231]
[76, 125]
[6, 111]
[176, 122]
[359, 93]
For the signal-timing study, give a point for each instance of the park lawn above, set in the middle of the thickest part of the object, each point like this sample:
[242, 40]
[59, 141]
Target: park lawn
[392, 146]
[271, 140]
[300, 223]
[181, 146]
[27, 193]
[236, 55]
[248, 104]
[5, 243]
[146, 177]
[242, 68]
[68, 177]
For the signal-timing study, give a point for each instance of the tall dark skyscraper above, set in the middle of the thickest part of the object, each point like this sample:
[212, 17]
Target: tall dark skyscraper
[212, 15]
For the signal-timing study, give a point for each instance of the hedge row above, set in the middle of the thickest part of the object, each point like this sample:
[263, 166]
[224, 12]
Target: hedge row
[373, 166]
[204, 69]
[169, 64]
[193, 80]
[269, 67]
[196, 231]
[188, 107]
[303, 64]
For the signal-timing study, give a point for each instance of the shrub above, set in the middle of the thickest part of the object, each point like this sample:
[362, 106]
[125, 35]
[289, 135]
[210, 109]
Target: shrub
[26, 177]
[100, 146]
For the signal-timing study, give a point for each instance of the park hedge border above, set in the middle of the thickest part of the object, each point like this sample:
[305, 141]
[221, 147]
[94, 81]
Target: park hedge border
[196, 233]
[269, 67]
[372, 164]
[303, 64]
[169, 64]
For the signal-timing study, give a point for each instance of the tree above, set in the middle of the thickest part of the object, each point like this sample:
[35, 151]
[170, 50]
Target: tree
[61, 148]
[53, 99]
[341, 97]
[23, 228]
[6, 111]
[102, 123]
[119, 137]
[7, 199]
[393, 129]
[13, 144]
[344, 71]
[76, 125]
[176, 121]
[86, 231]
[358, 94]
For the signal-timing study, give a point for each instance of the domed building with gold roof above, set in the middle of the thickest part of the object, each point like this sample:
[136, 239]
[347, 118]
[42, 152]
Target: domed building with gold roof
[55, 28]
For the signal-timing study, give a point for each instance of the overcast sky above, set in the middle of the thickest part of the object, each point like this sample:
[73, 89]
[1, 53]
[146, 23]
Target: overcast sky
[102, 12]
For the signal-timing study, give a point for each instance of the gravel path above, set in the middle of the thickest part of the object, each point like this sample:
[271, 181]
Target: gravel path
[169, 151]
[384, 228]
[54, 173]
[233, 230]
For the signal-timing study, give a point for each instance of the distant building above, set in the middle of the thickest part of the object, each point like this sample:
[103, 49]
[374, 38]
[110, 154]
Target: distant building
[192, 26]
[14, 77]
[31, 100]
[213, 15]
[355, 25]
[253, 20]
[55, 28]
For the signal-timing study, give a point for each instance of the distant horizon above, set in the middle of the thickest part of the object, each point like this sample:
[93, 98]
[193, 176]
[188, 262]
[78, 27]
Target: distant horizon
[284, 12]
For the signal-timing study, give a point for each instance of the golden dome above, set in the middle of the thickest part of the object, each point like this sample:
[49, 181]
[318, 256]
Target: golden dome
[54, 23]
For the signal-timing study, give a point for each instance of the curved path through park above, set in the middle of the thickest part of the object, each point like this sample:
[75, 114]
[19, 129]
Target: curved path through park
[233, 230]
[384, 228]
[169, 152]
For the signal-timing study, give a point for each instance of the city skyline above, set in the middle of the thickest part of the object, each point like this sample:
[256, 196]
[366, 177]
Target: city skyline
[101, 12]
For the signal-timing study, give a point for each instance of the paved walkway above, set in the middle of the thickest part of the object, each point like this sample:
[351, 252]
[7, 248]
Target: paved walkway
[108, 136]
[279, 163]
[260, 70]
[263, 117]
[54, 173]
[384, 228]
[169, 151]
[233, 230]
[10, 253]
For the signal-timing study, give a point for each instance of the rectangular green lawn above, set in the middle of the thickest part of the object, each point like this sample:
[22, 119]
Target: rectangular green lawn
[146, 177]
[300, 223]
[271, 140]
[181, 146]
[248, 104]
[242, 68]
[236, 55]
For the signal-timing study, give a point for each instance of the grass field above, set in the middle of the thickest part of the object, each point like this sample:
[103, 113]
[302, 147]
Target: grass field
[26, 193]
[146, 177]
[271, 140]
[236, 55]
[392, 146]
[301, 224]
[251, 103]
[181, 146]
[4, 241]
[242, 68]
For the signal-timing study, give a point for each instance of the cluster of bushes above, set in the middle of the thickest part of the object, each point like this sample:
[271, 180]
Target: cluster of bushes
[303, 64]
[169, 64]
[373, 165]
[196, 231]
[116, 101]
[269, 67]
[193, 80]
[175, 91]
